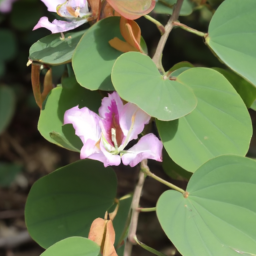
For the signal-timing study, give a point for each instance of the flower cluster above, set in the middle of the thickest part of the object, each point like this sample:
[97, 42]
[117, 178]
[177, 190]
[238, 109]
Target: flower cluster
[106, 136]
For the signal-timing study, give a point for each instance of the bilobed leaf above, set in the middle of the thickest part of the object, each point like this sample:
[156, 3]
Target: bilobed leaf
[75, 246]
[94, 57]
[132, 9]
[245, 89]
[7, 106]
[65, 202]
[219, 125]
[53, 50]
[60, 99]
[232, 36]
[137, 80]
[217, 216]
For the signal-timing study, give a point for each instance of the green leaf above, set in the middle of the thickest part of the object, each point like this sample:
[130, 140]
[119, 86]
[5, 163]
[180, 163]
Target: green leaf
[8, 45]
[137, 80]
[245, 89]
[219, 125]
[8, 172]
[7, 106]
[217, 216]
[54, 51]
[65, 202]
[173, 170]
[94, 57]
[121, 218]
[73, 246]
[143, 45]
[232, 36]
[60, 99]
[166, 7]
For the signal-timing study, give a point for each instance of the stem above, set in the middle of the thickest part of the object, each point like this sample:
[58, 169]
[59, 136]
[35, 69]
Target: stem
[191, 30]
[168, 28]
[153, 209]
[146, 170]
[62, 36]
[135, 213]
[157, 23]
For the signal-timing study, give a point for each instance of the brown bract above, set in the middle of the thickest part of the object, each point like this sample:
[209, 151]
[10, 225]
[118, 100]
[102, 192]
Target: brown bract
[102, 233]
[131, 32]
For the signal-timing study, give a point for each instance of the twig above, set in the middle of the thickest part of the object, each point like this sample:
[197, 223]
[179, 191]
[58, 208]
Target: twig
[168, 28]
[14, 241]
[135, 213]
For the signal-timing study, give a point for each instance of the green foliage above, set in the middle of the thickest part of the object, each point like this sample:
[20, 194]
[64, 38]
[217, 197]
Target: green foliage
[216, 218]
[95, 57]
[75, 246]
[60, 99]
[219, 125]
[232, 32]
[53, 50]
[7, 106]
[65, 202]
[166, 7]
[173, 100]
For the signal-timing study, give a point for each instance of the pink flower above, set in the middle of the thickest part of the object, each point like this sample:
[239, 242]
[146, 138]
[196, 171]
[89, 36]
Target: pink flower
[6, 5]
[76, 11]
[106, 136]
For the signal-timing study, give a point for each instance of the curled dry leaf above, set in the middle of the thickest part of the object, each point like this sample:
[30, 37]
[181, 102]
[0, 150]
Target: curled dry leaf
[131, 32]
[102, 233]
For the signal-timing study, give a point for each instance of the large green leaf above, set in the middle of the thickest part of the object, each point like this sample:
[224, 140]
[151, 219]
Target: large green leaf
[245, 89]
[94, 57]
[73, 246]
[65, 202]
[8, 45]
[137, 80]
[166, 7]
[60, 99]
[219, 125]
[53, 50]
[7, 106]
[218, 216]
[232, 36]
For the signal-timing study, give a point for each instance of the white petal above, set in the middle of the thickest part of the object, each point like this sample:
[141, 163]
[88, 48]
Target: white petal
[85, 123]
[58, 26]
[52, 4]
[148, 147]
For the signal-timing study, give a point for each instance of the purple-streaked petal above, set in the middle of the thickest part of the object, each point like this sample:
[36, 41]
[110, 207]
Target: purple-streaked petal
[132, 121]
[52, 4]
[58, 26]
[148, 147]
[6, 5]
[107, 104]
[110, 159]
[85, 123]
[110, 110]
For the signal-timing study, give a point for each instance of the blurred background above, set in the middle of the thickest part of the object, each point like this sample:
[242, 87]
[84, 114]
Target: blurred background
[25, 155]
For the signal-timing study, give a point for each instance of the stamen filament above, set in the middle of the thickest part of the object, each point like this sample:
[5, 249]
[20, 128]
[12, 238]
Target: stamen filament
[113, 134]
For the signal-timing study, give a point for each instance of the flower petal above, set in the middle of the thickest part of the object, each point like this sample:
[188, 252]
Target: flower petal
[132, 121]
[6, 5]
[110, 110]
[148, 147]
[58, 26]
[85, 123]
[52, 4]
[110, 159]
[73, 9]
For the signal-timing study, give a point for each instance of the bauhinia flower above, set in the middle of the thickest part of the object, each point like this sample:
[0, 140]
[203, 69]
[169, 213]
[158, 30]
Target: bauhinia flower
[106, 136]
[75, 11]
